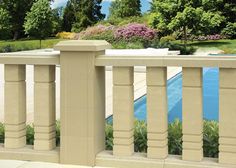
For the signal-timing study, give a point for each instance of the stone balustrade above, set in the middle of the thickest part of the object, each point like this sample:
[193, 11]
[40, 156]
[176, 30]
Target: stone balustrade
[82, 71]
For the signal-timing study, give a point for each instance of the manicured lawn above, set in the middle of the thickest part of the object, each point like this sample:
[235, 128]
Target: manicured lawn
[228, 46]
[11, 46]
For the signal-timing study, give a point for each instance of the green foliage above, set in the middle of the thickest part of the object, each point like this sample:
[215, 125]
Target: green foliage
[186, 16]
[140, 136]
[210, 137]
[109, 137]
[68, 17]
[17, 10]
[2, 135]
[22, 45]
[230, 30]
[125, 8]
[58, 133]
[175, 138]
[29, 134]
[184, 50]
[56, 20]
[38, 22]
[4, 24]
[4, 19]
[167, 38]
[87, 13]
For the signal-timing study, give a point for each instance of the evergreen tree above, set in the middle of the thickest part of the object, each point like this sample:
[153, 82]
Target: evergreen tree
[38, 22]
[79, 14]
[68, 17]
[17, 10]
[125, 8]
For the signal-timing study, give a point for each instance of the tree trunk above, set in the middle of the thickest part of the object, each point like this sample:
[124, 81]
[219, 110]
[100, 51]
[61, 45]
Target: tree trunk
[16, 34]
[185, 35]
[40, 43]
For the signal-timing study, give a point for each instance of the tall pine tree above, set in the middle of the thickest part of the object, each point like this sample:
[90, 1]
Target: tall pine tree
[125, 8]
[68, 17]
[82, 13]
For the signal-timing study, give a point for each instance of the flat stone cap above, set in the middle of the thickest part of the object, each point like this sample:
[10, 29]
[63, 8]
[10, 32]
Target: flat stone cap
[82, 45]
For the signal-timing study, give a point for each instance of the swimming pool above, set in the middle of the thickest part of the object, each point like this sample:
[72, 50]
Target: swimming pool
[174, 92]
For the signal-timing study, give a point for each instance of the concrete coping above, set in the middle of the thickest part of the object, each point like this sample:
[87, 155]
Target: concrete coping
[82, 45]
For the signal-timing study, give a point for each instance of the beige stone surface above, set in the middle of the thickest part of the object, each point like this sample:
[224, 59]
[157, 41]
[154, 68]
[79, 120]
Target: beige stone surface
[227, 108]
[15, 105]
[192, 114]
[123, 110]
[82, 102]
[140, 160]
[157, 112]
[44, 107]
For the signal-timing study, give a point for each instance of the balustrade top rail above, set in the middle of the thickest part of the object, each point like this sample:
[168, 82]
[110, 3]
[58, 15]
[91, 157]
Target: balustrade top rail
[167, 60]
[35, 57]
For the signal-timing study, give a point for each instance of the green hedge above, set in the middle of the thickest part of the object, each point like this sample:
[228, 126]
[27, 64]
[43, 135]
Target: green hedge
[210, 137]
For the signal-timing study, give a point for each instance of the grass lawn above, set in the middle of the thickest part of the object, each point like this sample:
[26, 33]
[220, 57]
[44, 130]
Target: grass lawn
[228, 46]
[20, 45]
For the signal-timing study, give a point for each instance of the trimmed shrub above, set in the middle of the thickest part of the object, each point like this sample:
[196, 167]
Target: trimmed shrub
[167, 38]
[66, 35]
[184, 50]
[210, 138]
[96, 31]
[135, 30]
[230, 30]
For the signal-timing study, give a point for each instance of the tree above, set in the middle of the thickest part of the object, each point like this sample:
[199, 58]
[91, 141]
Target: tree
[56, 20]
[17, 10]
[38, 22]
[125, 8]
[4, 23]
[186, 16]
[68, 17]
[87, 13]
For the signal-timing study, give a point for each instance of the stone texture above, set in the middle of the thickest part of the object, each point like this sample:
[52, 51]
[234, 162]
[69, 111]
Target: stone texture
[15, 106]
[192, 114]
[123, 111]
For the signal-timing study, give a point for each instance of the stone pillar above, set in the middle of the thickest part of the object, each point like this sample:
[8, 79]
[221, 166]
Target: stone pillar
[82, 101]
[192, 114]
[227, 116]
[157, 113]
[123, 111]
[15, 106]
[44, 107]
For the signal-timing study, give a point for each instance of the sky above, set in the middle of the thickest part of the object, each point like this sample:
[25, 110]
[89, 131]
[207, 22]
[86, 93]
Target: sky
[105, 5]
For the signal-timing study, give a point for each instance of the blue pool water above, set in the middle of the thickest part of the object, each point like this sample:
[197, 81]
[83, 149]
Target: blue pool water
[174, 92]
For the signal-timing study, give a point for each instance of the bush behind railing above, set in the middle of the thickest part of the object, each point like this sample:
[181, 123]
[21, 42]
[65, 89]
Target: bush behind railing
[210, 137]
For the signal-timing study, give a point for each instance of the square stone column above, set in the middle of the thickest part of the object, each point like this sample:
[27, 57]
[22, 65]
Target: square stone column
[82, 101]
[227, 116]
[123, 111]
[192, 114]
[157, 112]
[15, 106]
[44, 107]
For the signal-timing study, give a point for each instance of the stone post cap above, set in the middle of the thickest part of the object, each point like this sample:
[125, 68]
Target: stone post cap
[82, 45]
